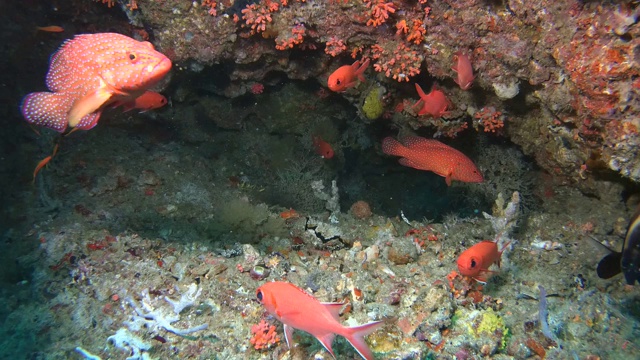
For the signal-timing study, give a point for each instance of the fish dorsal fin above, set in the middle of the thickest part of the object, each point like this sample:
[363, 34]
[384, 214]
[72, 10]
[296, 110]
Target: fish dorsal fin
[417, 142]
[89, 103]
[334, 308]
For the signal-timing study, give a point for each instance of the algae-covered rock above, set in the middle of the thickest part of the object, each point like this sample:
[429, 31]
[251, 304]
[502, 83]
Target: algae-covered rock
[373, 106]
[490, 324]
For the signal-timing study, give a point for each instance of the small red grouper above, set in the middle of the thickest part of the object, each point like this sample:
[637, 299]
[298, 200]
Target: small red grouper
[299, 310]
[434, 104]
[432, 155]
[90, 72]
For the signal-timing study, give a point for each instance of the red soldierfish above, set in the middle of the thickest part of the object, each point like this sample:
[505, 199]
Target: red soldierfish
[90, 72]
[478, 258]
[345, 76]
[322, 147]
[434, 103]
[465, 71]
[432, 155]
[150, 100]
[299, 310]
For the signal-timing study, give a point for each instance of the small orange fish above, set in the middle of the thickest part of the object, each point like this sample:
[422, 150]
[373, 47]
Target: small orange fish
[289, 214]
[465, 71]
[322, 147]
[52, 28]
[434, 104]
[44, 162]
[40, 165]
[478, 258]
[432, 155]
[298, 310]
[150, 100]
[345, 76]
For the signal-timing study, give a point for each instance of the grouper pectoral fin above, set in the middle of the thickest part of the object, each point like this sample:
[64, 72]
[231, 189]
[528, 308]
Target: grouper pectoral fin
[89, 104]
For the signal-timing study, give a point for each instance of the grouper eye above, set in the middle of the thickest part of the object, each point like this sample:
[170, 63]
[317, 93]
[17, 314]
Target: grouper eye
[473, 263]
[259, 295]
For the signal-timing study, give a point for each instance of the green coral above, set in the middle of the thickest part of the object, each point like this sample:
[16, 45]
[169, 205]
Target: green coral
[373, 107]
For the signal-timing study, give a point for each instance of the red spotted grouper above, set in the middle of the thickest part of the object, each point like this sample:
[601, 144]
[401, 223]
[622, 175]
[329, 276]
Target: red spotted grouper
[90, 72]
[432, 155]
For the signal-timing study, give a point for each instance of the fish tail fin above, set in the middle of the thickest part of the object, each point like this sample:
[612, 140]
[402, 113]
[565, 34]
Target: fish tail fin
[391, 146]
[610, 266]
[355, 335]
[46, 109]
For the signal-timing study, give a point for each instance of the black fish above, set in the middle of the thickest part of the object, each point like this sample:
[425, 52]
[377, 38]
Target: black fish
[627, 261]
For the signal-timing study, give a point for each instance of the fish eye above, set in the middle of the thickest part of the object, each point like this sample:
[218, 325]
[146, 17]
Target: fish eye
[473, 263]
[259, 295]
[132, 56]
[338, 82]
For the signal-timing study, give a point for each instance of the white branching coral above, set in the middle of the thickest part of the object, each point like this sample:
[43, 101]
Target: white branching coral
[154, 318]
[504, 218]
[331, 197]
[503, 221]
[125, 340]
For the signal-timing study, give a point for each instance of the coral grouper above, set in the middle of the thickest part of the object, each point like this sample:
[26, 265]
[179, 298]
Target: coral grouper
[90, 72]
[432, 155]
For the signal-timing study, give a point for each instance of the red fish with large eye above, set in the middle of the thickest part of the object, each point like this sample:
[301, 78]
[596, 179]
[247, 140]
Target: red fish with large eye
[465, 71]
[298, 310]
[150, 100]
[434, 103]
[477, 259]
[345, 76]
[89, 73]
[322, 147]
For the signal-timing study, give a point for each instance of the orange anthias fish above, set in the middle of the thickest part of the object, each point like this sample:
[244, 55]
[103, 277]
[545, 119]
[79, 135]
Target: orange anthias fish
[150, 100]
[298, 310]
[434, 103]
[44, 162]
[322, 147]
[478, 258]
[432, 155]
[52, 28]
[90, 72]
[465, 71]
[345, 76]
[289, 214]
